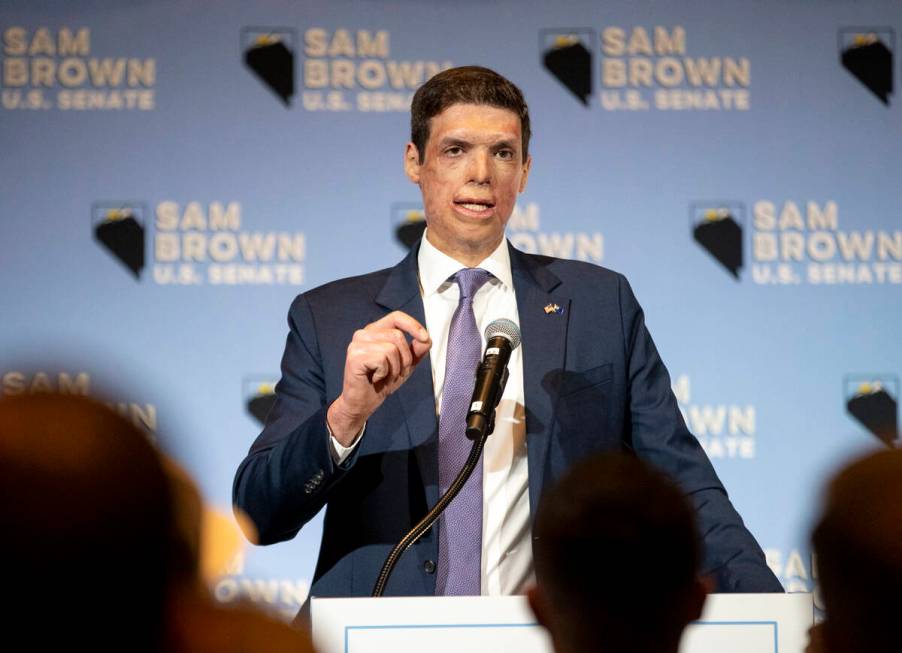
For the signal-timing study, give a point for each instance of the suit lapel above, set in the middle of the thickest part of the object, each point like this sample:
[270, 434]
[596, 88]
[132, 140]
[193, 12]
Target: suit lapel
[544, 347]
[416, 396]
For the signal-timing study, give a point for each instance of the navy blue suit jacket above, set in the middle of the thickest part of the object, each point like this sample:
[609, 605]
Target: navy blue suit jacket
[593, 382]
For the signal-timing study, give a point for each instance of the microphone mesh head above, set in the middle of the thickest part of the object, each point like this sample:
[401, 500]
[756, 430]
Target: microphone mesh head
[505, 328]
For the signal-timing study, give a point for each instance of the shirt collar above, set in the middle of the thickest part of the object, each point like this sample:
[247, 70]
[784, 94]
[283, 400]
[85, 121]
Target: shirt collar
[435, 267]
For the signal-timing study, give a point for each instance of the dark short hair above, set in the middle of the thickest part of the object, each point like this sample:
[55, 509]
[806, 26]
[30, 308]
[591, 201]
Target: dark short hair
[87, 508]
[617, 551]
[465, 85]
[858, 542]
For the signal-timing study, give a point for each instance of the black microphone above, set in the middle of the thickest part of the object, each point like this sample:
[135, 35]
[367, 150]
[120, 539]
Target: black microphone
[502, 337]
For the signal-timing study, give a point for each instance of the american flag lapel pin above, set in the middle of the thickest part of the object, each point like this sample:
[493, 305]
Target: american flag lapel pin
[553, 309]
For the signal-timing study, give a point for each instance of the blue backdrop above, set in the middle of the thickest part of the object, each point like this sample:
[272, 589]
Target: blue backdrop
[174, 173]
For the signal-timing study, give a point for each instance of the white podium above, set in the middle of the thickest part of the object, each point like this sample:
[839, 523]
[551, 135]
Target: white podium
[739, 623]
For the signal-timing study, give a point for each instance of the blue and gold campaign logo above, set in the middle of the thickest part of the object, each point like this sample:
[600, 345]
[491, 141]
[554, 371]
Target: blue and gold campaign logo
[192, 243]
[567, 55]
[794, 242]
[867, 53]
[119, 229]
[269, 55]
[717, 227]
[408, 222]
[336, 69]
[647, 68]
[873, 400]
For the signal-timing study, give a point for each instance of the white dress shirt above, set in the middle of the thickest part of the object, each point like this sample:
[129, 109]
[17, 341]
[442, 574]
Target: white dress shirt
[507, 566]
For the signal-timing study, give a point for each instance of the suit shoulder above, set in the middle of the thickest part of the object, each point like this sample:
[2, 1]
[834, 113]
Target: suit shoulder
[579, 272]
[348, 289]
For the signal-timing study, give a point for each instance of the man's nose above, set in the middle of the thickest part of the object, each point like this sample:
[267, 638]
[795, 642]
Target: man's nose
[481, 167]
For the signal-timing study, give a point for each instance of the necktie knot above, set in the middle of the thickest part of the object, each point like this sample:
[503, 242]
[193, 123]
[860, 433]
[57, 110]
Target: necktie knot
[470, 280]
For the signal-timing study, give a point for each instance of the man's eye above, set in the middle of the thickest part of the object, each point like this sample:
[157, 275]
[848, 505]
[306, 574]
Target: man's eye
[453, 151]
[506, 155]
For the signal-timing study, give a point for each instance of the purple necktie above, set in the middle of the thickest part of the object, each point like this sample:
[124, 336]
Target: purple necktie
[460, 527]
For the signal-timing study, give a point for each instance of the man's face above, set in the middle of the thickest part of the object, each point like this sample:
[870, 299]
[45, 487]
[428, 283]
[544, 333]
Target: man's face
[470, 176]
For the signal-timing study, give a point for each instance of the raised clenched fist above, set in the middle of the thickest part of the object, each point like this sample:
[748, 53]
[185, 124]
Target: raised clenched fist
[379, 359]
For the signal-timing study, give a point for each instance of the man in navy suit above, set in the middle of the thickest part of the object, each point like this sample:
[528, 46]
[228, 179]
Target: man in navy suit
[356, 422]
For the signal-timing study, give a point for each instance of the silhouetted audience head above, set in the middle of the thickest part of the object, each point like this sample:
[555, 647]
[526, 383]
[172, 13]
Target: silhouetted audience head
[858, 542]
[102, 539]
[196, 622]
[617, 559]
[84, 517]
[186, 527]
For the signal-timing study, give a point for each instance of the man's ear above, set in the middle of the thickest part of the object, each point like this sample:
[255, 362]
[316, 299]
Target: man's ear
[525, 177]
[412, 163]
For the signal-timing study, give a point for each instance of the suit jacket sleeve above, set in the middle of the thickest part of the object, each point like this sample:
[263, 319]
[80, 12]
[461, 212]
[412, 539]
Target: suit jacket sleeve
[289, 473]
[657, 433]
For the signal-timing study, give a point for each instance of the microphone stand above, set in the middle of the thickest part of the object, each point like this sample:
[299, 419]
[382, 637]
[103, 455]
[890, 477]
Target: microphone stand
[426, 522]
[502, 336]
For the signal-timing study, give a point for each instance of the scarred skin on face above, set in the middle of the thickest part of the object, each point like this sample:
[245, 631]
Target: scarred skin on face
[471, 174]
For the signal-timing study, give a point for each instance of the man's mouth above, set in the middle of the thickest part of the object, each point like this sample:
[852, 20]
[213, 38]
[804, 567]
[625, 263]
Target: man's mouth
[476, 206]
